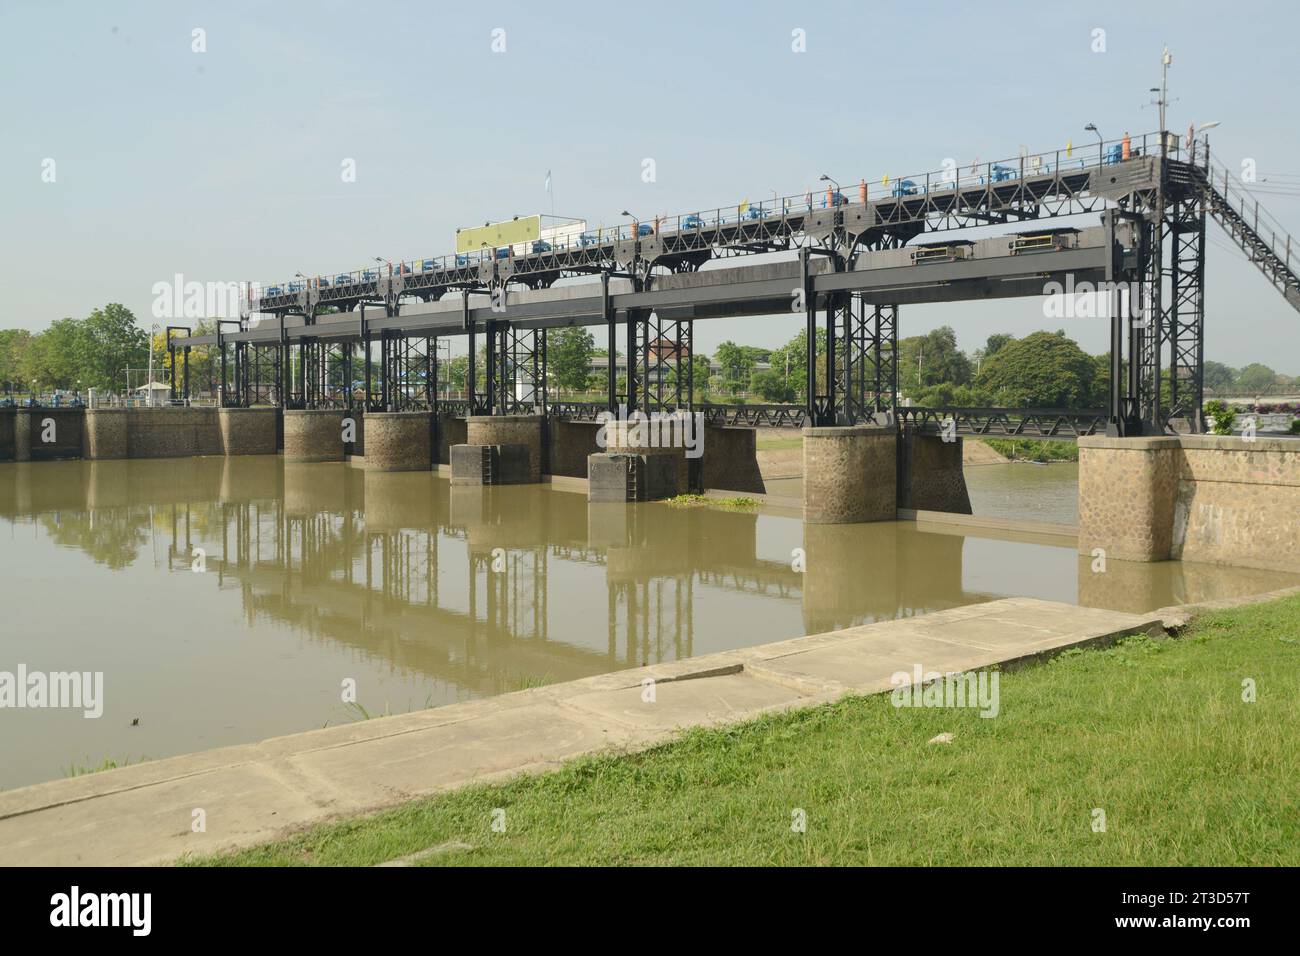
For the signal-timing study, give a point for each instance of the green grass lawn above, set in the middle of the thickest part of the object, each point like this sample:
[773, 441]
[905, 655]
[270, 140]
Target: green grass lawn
[1031, 449]
[1152, 731]
[774, 439]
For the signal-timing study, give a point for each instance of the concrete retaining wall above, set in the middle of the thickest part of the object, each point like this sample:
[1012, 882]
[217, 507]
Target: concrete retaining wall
[571, 444]
[451, 431]
[1222, 500]
[7, 416]
[46, 434]
[172, 432]
[730, 460]
[930, 475]
[107, 434]
[249, 431]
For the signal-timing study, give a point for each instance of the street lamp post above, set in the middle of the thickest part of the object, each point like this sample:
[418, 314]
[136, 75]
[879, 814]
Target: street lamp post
[1101, 143]
[827, 179]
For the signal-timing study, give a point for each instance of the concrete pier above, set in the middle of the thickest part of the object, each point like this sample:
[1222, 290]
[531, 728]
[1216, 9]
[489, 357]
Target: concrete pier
[399, 441]
[850, 474]
[313, 434]
[248, 431]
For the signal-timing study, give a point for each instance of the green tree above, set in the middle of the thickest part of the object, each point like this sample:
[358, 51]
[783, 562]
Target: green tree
[568, 358]
[111, 342]
[771, 386]
[700, 375]
[945, 394]
[13, 350]
[1255, 377]
[737, 363]
[792, 358]
[1042, 370]
[1219, 377]
[931, 359]
[995, 342]
[53, 358]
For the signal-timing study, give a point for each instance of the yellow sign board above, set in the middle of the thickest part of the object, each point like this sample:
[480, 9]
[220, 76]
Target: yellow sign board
[498, 235]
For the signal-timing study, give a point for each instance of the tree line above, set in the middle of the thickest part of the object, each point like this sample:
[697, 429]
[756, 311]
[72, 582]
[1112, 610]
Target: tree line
[74, 354]
[1043, 369]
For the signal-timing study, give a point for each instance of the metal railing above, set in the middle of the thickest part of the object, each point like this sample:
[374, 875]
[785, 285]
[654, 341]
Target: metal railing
[789, 210]
[1264, 228]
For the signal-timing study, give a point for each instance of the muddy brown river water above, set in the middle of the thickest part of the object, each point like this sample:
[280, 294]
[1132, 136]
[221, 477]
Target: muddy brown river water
[226, 600]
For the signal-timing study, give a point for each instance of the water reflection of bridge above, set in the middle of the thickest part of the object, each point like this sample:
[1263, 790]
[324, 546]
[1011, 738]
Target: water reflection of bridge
[491, 588]
[482, 586]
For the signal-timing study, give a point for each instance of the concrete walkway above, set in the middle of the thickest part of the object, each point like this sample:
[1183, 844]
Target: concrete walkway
[142, 814]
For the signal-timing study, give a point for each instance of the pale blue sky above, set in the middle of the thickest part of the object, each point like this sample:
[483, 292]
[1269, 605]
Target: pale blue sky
[226, 165]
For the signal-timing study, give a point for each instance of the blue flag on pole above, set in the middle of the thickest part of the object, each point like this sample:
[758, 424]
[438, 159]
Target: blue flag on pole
[548, 180]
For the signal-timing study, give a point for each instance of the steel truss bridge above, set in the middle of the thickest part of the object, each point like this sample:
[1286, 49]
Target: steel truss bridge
[849, 266]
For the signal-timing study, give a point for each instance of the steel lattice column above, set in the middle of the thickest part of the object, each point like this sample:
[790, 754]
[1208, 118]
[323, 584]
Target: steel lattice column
[1145, 332]
[1184, 320]
[851, 359]
[883, 351]
[522, 369]
[666, 347]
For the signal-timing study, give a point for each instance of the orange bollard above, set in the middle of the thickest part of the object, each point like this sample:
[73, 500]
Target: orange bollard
[1125, 146]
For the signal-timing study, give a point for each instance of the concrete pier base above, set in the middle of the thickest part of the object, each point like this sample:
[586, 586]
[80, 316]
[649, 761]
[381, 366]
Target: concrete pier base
[622, 476]
[503, 430]
[104, 435]
[490, 465]
[640, 439]
[399, 441]
[313, 434]
[249, 431]
[850, 474]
